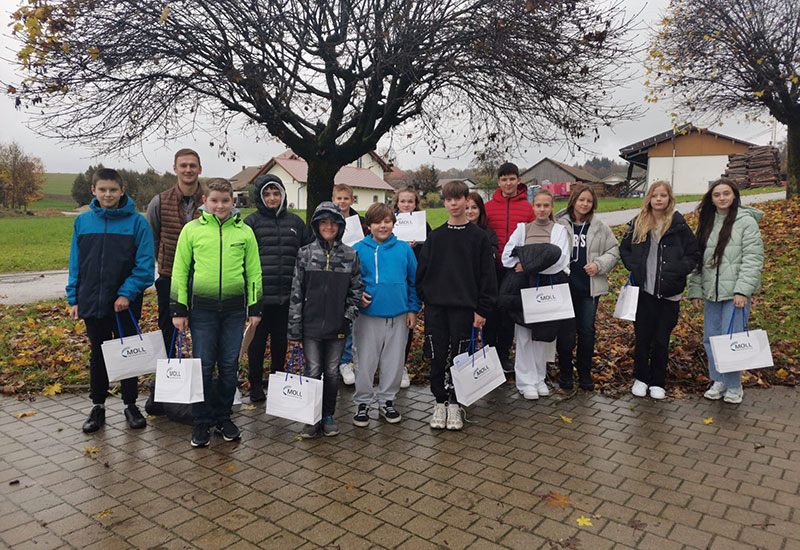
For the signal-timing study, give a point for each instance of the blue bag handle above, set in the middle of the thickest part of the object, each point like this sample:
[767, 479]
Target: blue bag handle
[537, 281]
[629, 281]
[135, 324]
[300, 363]
[744, 322]
[472, 341]
[181, 341]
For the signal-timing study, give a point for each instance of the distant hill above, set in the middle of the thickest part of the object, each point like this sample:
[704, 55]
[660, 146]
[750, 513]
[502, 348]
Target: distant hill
[58, 184]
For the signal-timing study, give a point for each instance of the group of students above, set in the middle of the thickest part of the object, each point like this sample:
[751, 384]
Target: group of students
[307, 289]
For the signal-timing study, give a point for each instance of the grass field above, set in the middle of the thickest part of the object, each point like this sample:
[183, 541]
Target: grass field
[51, 203]
[58, 184]
[34, 243]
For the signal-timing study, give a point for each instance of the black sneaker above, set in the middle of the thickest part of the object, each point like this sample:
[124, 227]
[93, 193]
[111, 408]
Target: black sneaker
[200, 435]
[97, 417]
[390, 414]
[361, 419]
[228, 430]
[257, 393]
[134, 417]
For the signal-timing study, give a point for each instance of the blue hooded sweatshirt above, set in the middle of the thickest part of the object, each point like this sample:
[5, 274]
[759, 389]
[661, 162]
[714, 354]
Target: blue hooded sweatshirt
[111, 255]
[389, 272]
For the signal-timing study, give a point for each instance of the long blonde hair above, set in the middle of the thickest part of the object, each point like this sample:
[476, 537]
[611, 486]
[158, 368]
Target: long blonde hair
[547, 193]
[645, 221]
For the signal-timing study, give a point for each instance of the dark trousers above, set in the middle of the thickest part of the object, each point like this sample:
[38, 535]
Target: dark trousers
[655, 319]
[499, 328]
[582, 326]
[448, 330]
[164, 316]
[274, 320]
[100, 329]
[322, 361]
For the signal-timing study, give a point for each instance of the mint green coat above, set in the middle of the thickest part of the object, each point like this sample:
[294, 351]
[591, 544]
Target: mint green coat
[739, 271]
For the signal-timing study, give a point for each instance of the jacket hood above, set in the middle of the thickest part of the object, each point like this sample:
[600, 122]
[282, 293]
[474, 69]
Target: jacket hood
[327, 209]
[749, 211]
[126, 208]
[388, 243]
[522, 194]
[262, 182]
[206, 216]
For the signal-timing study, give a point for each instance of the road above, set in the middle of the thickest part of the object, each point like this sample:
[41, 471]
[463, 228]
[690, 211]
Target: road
[32, 286]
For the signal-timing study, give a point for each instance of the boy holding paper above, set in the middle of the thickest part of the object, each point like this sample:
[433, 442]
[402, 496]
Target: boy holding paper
[111, 263]
[218, 255]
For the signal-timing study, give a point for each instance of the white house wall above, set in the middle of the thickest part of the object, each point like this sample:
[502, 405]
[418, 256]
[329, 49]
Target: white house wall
[365, 197]
[689, 175]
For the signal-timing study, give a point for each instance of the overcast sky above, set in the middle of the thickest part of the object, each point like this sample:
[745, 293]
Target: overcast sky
[60, 157]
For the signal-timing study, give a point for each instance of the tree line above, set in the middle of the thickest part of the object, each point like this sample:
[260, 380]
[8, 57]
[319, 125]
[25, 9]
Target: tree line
[140, 186]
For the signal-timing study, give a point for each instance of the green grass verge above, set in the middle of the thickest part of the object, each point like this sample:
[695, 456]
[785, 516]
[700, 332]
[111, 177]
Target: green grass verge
[46, 204]
[58, 184]
[34, 243]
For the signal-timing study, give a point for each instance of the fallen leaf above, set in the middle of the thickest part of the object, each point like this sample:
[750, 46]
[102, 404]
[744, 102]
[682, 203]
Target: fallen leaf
[249, 407]
[24, 414]
[782, 373]
[91, 450]
[52, 389]
[231, 468]
[584, 521]
[9, 390]
[150, 417]
[566, 419]
[164, 15]
[709, 420]
[348, 486]
[556, 500]
[636, 524]
[105, 514]
[758, 446]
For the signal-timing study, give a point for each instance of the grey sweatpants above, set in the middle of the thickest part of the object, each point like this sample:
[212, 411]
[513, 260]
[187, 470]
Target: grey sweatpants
[380, 341]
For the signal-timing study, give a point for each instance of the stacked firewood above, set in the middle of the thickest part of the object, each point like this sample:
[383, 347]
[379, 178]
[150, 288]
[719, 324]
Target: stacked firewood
[758, 167]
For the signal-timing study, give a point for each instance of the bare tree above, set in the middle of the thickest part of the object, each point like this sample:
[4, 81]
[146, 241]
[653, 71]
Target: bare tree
[716, 57]
[328, 78]
[21, 177]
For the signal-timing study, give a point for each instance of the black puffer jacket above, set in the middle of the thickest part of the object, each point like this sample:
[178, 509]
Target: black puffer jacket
[280, 234]
[678, 255]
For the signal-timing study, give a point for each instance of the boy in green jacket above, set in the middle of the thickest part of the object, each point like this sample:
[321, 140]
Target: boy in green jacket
[219, 254]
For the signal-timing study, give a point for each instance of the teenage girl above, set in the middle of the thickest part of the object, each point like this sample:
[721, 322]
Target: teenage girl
[406, 199]
[530, 364]
[659, 250]
[733, 256]
[476, 213]
[594, 253]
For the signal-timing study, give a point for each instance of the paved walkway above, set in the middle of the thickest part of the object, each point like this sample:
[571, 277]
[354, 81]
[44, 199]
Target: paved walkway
[684, 474]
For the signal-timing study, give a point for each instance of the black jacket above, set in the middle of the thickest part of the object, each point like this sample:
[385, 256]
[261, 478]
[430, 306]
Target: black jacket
[279, 234]
[678, 255]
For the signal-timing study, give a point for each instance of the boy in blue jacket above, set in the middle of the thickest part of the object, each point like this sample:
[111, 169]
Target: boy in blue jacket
[389, 307]
[111, 263]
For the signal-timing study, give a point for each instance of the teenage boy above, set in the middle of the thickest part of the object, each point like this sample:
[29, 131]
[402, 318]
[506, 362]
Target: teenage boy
[344, 199]
[167, 213]
[110, 266]
[279, 234]
[326, 292]
[217, 255]
[456, 280]
[508, 207]
[389, 307]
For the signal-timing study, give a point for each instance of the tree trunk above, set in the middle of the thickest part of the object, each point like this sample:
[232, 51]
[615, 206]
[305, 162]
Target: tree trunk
[793, 160]
[320, 184]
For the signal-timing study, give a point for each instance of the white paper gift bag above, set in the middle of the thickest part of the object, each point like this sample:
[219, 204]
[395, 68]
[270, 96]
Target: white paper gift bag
[410, 226]
[179, 380]
[738, 351]
[627, 302]
[294, 396]
[476, 374]
[547, 303]
[131, 356]
[353, 232]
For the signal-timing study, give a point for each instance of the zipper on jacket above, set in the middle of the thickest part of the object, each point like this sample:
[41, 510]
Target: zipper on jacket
[102, 263]
[376, 264]
[508, 216]
[327, 260]
[716, 286]
[220, 266]
[659, 257]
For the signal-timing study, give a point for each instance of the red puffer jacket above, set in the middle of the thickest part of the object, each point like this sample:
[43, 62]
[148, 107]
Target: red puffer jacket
[505, 213]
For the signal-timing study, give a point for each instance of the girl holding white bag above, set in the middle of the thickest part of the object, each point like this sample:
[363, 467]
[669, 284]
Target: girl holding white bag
[530, 365]
[730, 273]
[659, 250]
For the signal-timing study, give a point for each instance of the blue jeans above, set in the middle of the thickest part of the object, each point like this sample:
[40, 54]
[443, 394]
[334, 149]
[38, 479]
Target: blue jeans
[347, 353]
[716, 320]
[322, 361]
[216, 339]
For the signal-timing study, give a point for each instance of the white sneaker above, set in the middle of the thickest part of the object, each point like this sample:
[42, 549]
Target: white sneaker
[542, 389]
[734, 395]
[657, 392]
[639, 388]
[439, 417]
[348, 374]
[531, 394]
[405, 381]
[716, 391]
[454, 420]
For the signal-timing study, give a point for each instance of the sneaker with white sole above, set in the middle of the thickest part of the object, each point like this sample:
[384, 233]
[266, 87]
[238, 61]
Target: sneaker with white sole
[454, 420]
[361, 419]
[639, 388]
[657, 392]
[716, 391]
[542, 389]
[348, 374]
[439, 417]
[405, 381]
[733, 395]
[389, 413]
[531, 393]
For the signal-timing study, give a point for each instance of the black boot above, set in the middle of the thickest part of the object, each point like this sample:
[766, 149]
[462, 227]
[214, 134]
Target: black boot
[96, 419]
[134, 417]
[257, 392]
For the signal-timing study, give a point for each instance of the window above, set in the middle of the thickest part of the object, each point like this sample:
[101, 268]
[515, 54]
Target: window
[355, 199]
[374, 198]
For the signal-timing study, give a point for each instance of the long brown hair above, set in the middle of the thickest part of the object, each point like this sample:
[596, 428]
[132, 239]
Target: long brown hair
[552, 200]
[483, 220]
[407, 189]
[577, 191]
[707, 213]
[645, 221]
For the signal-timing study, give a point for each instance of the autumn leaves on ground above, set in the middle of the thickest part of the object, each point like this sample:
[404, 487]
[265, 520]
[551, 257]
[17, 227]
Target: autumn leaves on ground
[42, 349]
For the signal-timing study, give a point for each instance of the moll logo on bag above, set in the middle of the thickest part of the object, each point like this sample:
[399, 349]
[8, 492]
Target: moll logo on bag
[174, 374]
[480, 371]
[742, 346]
[129, 351]
[547, 298]
[291, 391]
